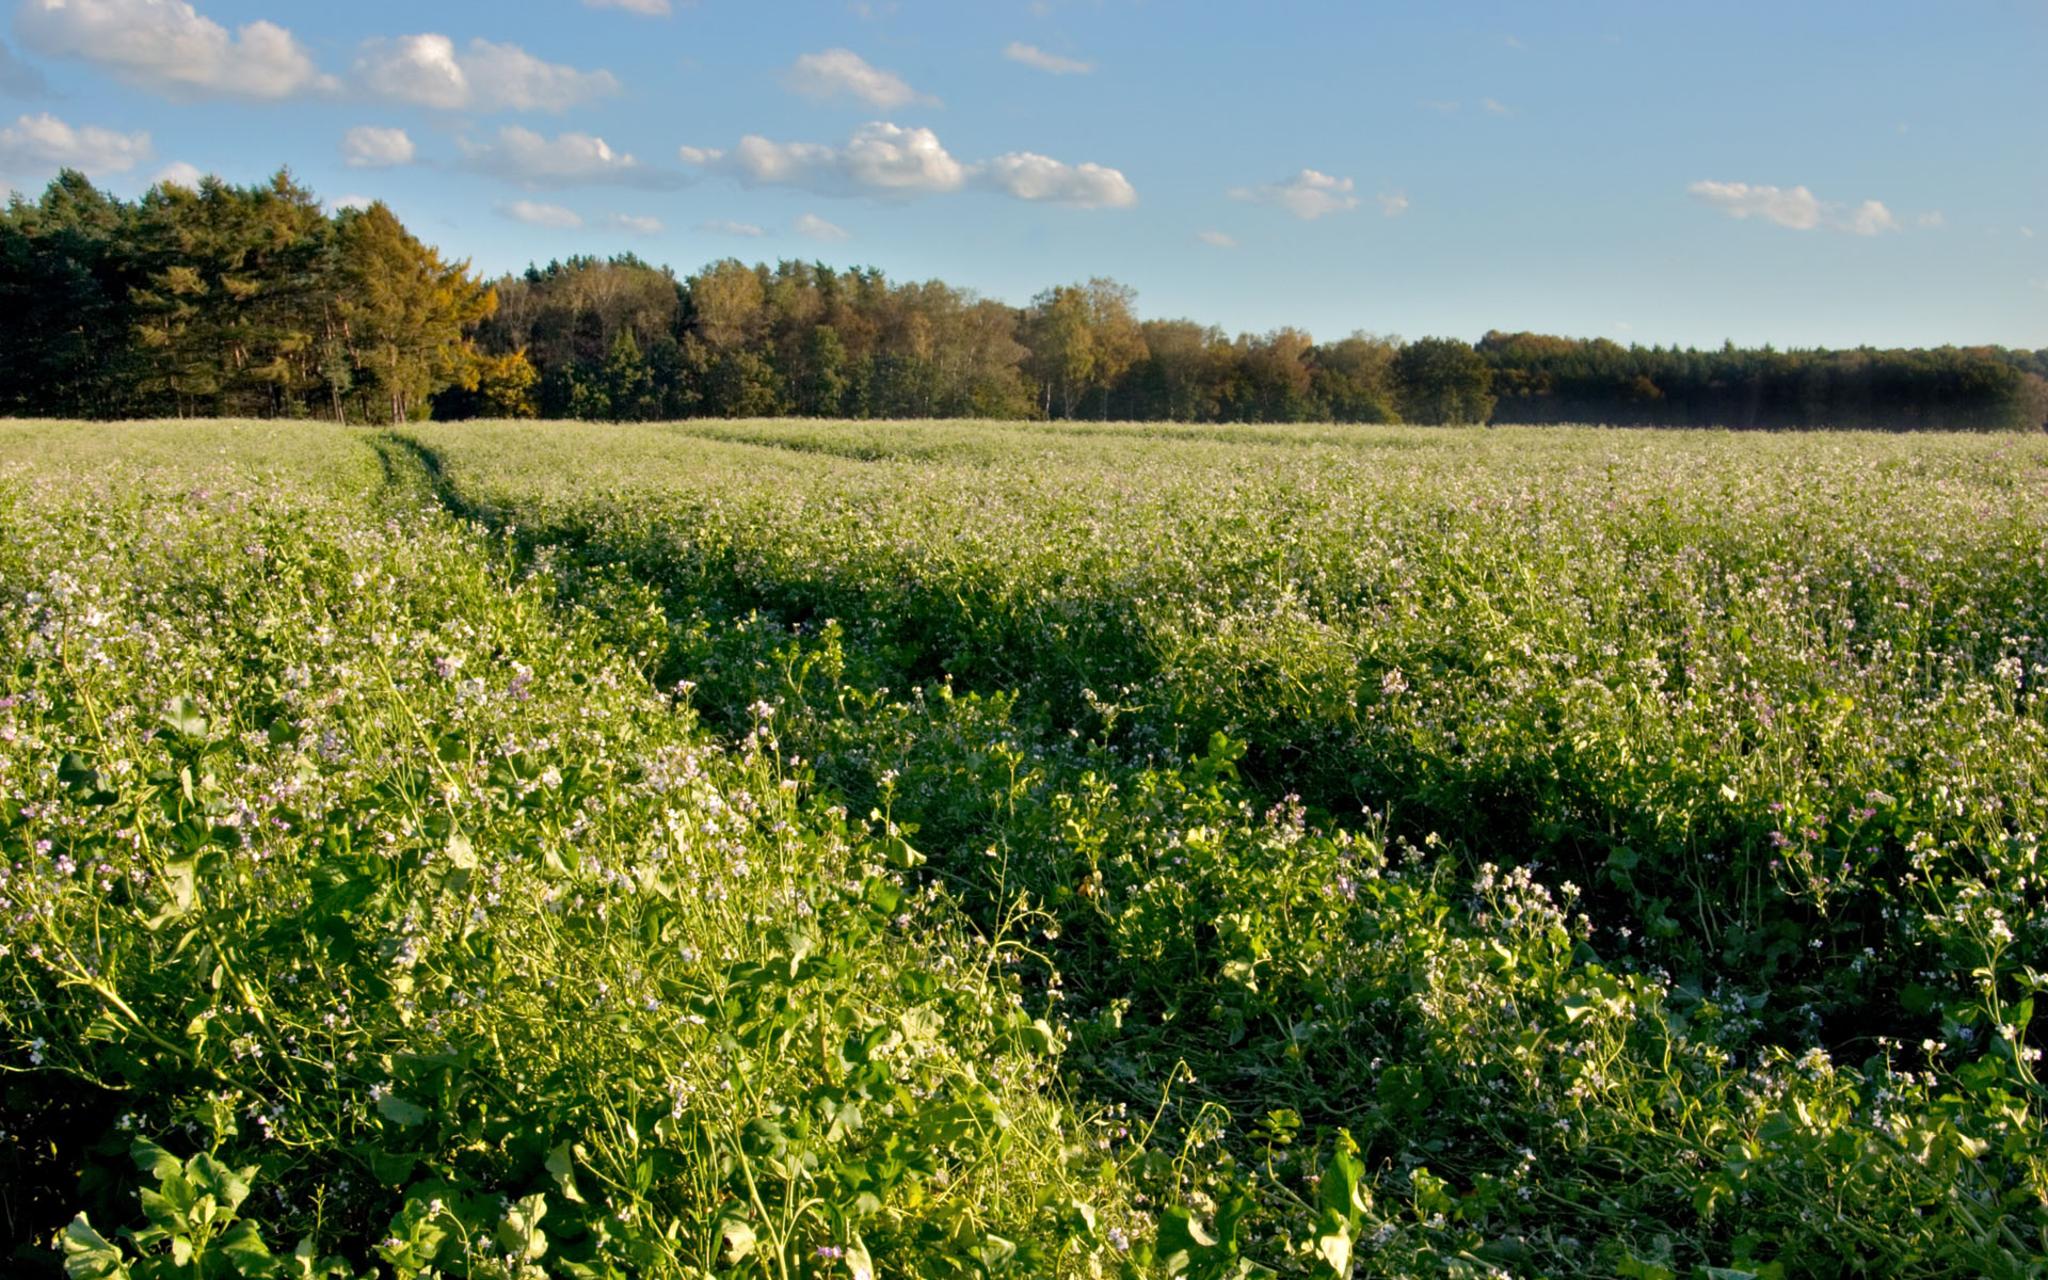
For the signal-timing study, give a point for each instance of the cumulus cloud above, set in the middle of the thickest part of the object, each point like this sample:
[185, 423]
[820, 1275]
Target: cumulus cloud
[17, 78]
[649, 8]
[879, 159]
[812, 227]
[357, 202]
[1032, 56]
[37, 146]
[170, 47]
[727, 227]
[1870, 218]
[1308, 195]
[639, 224]
[369, 147]
[1796, 208]
[570, 159]
[179, 174]
[429, 71]
[890, 161]
[1029, 176]
[533, 214]
[1217, 239]
[837, 73]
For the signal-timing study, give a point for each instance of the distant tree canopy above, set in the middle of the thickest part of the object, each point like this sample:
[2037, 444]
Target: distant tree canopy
[227, 300]
[1539, 378]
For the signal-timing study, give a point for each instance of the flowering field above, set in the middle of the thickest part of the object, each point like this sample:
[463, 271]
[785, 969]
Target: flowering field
[779, 849]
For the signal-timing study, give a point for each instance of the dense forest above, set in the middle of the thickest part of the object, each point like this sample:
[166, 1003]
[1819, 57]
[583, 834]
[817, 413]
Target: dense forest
[255, 301]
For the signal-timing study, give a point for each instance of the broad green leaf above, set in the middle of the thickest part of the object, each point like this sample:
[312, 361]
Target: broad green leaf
[400, 1112]
[184, 718]
[88, 1255]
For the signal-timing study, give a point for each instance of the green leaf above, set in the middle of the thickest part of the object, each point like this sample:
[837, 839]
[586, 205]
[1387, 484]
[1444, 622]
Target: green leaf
[243, 1245]
[184, 718]
[228, 1186]
[519, 1234]
[561, 1166]
[88, 1255]
[154, 1160]
[1334, 1240]
[400, 1112]
[739, 1241]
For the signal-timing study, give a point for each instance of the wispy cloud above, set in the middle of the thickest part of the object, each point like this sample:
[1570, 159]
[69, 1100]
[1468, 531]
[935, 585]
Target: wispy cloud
[842, 73]
[569, 159]
[534, 214]
[639, 224]
[812, 227]
[890, 161]
[1216, 239]
[727, 227]
[1392, 204]
[646, 8]
[1308, 195]
[1795, 208]
[1032, 56]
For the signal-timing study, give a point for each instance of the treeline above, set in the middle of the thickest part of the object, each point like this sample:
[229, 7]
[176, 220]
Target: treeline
[223, 300]
[254, 301]
[1538, 378]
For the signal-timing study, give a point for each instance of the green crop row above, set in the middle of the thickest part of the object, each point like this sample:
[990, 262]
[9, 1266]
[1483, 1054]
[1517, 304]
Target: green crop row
[1294, 851]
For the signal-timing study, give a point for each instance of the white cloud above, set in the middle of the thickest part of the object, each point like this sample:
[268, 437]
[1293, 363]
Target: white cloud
[369, 147]
[1032, 56]
[427, 70]
[179, 174]
[1796, 208]
[1869, 219]
[1392, 205]
[533, 214]
[844, 73]
[1029, 176]
[727, 227]
[570, 159]
[170, 47]
[879, 159]
[358, 202]
[37, 146]
[1307, 195]
[887, 160]
[649, 8]
[1216, 239]
[812, 227]
[1495, 107]
[2026, 233]
[638, 223]
[1932, 219]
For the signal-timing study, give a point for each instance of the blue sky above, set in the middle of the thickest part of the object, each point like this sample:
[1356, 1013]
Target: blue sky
[1795, 173]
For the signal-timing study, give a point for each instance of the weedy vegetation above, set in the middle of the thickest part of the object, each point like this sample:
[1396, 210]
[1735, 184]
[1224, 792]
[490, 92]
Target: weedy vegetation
[775, 849]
